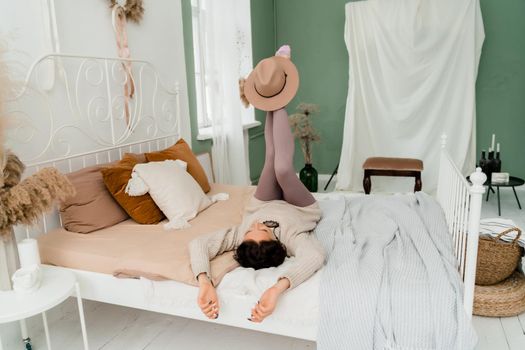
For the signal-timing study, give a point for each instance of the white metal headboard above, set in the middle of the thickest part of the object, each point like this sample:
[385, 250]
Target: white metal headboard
[71, 113]
[83, 109]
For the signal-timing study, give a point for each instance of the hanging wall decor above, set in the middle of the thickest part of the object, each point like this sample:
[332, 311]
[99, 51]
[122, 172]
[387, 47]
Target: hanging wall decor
[121, 11]
[133, 9]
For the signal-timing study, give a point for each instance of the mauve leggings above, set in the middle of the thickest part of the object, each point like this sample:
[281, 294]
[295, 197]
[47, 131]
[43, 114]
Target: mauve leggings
[278, 179]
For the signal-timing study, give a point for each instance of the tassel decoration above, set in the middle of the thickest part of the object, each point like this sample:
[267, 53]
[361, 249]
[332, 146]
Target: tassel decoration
[219, 197]
[136, 186]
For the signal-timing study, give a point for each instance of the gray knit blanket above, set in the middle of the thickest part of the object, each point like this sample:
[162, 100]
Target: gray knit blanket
[391, 279]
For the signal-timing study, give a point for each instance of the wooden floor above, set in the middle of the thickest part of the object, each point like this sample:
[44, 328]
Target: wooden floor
[113, 327]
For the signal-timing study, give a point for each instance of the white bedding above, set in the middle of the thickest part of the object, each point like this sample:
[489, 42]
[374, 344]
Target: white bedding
[240, 289]
[391, 279]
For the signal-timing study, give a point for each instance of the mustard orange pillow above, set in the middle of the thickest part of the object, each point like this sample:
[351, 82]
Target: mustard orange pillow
[182, 151]
[142, 209]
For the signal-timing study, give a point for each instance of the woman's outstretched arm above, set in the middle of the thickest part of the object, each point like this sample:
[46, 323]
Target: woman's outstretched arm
[309, 257]
[202, 250]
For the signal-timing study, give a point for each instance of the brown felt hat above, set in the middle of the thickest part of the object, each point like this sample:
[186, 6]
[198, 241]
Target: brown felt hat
[272, 84]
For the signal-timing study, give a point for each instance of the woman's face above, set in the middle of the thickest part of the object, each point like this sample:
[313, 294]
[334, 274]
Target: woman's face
[258, 232]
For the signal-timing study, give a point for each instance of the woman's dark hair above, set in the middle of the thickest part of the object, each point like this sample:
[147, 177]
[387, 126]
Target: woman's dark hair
[260, 255]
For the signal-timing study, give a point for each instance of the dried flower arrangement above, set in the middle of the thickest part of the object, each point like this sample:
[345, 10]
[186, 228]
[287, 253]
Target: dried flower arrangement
[303, 129]
[133, 9]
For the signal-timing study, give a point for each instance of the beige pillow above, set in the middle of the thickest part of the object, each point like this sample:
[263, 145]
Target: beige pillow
[181, 150]
[173, 189]
[93, 207]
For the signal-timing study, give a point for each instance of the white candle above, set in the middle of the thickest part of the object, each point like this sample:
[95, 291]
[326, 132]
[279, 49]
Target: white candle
[497, 149]
[493, 140]
[28, 252]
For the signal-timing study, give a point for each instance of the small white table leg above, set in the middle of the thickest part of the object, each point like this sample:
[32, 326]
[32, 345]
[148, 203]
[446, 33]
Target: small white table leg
[46, 330]
[23, 329]
[82, 320]
[24, 332]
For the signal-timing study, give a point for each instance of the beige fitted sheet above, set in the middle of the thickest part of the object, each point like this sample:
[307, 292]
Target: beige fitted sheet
[129, 249]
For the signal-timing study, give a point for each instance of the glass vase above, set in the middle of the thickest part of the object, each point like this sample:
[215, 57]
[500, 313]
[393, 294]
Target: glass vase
[309, 177]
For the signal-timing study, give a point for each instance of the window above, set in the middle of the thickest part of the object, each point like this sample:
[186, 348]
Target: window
[198, 10]
[222, 53]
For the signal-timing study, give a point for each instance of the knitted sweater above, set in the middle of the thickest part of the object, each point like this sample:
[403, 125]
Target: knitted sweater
[294, 231]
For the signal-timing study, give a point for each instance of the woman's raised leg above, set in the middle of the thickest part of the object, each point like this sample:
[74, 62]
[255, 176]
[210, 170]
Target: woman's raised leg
[294, 192]
[268, 188]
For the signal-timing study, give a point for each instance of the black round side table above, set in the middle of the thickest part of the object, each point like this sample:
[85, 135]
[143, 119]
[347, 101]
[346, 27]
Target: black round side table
[513, 182]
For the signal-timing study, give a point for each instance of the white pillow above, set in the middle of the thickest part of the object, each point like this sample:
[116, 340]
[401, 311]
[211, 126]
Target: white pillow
[174, 191]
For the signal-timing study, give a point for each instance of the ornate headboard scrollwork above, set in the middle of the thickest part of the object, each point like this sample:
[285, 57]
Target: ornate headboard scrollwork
[85, 110]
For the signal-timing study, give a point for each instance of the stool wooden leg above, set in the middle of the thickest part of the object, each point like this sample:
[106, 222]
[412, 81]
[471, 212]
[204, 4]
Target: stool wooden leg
[367, 183]
[419, 184]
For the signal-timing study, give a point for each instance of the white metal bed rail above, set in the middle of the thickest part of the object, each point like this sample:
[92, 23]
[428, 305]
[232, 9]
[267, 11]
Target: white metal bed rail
[461, 203]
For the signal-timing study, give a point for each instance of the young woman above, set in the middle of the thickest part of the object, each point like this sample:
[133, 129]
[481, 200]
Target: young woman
[279, 219]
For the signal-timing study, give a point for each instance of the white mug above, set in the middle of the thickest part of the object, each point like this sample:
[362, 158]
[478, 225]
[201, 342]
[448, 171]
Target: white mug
[26, 279]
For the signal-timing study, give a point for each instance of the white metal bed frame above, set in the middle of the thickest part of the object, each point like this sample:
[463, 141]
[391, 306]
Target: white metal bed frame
[100, 121]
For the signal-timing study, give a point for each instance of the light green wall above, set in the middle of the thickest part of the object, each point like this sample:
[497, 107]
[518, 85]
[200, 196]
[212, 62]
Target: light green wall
[263, 45]
[501, 82]
[197, 146]
[314, 29]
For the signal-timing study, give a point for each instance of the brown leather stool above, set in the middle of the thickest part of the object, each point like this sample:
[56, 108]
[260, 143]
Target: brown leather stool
[382, 166]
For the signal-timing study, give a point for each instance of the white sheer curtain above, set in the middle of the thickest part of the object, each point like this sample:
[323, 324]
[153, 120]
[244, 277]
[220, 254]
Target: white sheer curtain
[226, 47]
[413, 67]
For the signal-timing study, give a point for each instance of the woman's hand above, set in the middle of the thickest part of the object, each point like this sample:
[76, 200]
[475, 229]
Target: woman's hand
[207, 300]
[268, 301]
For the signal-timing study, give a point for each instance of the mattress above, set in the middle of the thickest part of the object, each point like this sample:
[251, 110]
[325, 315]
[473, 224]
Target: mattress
[133, 250]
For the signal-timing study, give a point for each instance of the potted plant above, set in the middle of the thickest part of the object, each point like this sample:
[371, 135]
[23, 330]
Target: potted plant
[305, 132]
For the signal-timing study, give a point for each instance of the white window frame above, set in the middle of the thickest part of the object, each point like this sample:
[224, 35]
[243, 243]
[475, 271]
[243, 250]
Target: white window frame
[204, 117]
[203, 114]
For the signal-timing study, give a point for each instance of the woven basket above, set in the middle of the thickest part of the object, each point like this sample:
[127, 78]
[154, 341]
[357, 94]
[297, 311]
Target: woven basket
[503, 299]
[497, 259]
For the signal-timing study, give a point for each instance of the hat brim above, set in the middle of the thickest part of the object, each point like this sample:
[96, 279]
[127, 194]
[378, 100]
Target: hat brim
[280, 100]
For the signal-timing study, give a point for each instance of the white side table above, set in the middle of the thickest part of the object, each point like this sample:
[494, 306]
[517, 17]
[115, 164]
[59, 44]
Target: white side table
[57, 285]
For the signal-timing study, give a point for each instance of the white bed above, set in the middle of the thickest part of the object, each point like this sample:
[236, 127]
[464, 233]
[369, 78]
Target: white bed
[80, 122]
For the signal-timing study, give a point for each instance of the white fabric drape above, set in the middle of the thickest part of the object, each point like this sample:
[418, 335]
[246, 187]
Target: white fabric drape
[226, 44]
[413, 67]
